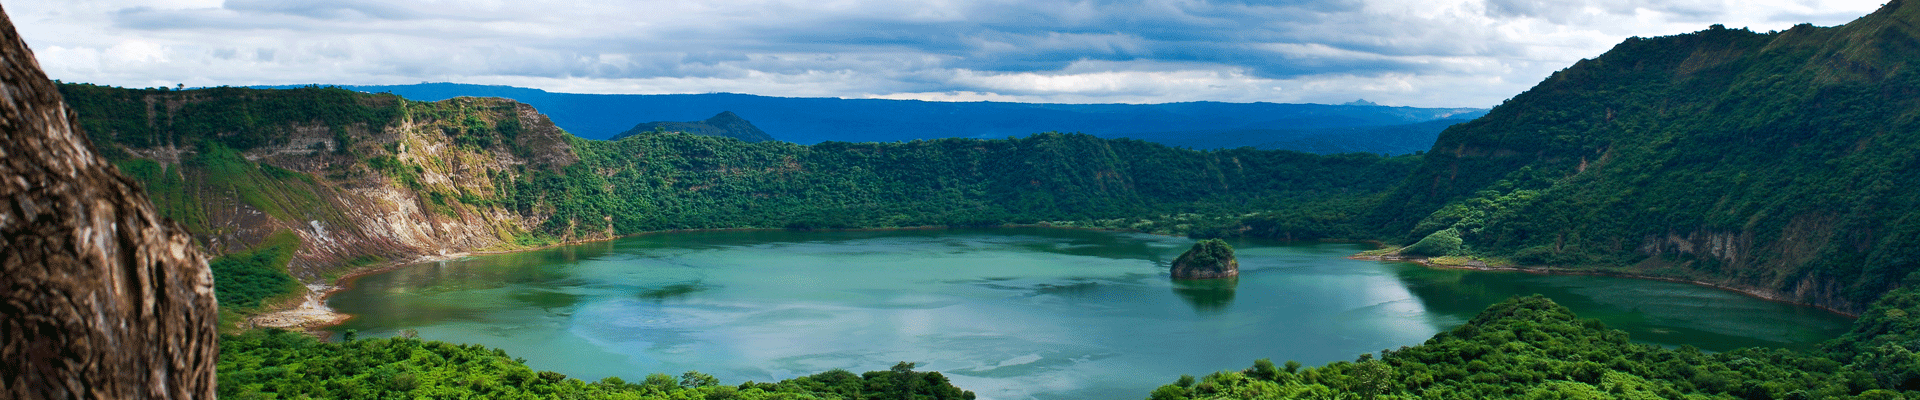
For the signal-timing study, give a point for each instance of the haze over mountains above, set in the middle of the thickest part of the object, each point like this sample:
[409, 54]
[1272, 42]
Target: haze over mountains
[1319, 128]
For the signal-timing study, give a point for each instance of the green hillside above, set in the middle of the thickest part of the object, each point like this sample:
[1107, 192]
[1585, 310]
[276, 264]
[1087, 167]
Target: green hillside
[1779, 163]
[681, 181]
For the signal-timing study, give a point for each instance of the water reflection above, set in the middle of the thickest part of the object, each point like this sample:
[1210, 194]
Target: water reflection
[546, 299]
[1650, 311]
[672, 292]
[1207, 296]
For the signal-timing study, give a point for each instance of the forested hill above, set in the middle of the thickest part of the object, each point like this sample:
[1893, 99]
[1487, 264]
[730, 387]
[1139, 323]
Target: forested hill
[725, 124]
[1316, 128]
[1781, 163]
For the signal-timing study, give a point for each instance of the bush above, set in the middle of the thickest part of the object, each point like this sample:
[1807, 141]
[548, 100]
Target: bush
[1445, 242]
[247, 279]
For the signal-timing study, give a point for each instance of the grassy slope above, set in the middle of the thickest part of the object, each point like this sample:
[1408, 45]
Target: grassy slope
[1777, 162]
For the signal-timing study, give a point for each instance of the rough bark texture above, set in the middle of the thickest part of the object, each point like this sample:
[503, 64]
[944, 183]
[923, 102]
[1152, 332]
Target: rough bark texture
[99, 296]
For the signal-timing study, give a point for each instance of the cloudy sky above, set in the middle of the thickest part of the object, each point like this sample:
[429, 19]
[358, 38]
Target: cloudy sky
[1439, 53]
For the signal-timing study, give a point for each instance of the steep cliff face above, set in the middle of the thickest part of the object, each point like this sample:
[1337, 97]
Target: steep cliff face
[99, 296]
[369, 178]
[417, 187]
[1777, 163]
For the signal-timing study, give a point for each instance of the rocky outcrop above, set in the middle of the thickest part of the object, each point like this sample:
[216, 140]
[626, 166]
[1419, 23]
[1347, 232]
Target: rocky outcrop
[99, 296]
[1208, 259]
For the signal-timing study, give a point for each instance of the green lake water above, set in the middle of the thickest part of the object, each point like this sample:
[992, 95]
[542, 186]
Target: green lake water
[1009, 313]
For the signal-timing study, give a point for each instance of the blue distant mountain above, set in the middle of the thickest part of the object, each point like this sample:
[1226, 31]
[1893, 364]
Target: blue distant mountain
[1359, 126]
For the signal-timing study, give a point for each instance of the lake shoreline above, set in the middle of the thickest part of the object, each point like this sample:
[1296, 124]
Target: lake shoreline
[1001, 310]
[314, 317]
[311, 315]
[1549, 270]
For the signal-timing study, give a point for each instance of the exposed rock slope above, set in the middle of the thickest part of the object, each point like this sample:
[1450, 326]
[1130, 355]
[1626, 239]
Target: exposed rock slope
[361, 179]
[99, 296]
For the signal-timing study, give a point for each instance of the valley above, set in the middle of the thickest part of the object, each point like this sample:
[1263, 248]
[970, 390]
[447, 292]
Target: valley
[1772, 163]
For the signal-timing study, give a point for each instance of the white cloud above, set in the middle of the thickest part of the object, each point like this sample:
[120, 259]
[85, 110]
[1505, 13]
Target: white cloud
[1405, 52]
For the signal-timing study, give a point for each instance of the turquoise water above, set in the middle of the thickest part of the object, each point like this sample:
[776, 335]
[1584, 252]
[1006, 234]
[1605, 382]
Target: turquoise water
[1009, 313]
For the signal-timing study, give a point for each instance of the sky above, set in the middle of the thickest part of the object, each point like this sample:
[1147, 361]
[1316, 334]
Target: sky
[1424, 53]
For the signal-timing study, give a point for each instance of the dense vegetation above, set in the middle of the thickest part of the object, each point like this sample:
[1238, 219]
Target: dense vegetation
[1531, 348]
[244, 280]
[236, 117]
[1778, 162]
[677, 181]
[1206, 252]
[269, 364]
[726, 124]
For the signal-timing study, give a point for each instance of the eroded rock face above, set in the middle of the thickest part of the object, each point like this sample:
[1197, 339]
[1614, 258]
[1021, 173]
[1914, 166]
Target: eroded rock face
[1208, 259]
[99, 297]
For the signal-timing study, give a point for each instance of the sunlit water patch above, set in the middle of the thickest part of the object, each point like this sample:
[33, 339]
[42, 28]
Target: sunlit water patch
[1007, 313]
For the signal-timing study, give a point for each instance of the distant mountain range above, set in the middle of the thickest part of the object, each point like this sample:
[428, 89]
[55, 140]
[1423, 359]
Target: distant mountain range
[1359, 126]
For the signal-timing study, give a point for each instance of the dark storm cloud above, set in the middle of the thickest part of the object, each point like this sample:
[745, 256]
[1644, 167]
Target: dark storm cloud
[1054, 35]
[1428, 51]
[1022, 36]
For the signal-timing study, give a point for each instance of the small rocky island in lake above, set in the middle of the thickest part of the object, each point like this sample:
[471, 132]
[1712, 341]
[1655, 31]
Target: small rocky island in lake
[1208, 259]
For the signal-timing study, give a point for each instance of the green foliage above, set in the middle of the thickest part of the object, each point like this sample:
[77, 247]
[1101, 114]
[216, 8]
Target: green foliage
[272, 190]
[680, 181]
[1885, 341]
[1445, 242]
[1531, 348]
[167, 187]
[1206, 253]
[234, 117]
[219, 175]
[1779, 160]
[264, 364]
[244, 280]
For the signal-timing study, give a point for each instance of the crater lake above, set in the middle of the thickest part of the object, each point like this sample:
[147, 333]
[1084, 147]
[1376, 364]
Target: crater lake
[1009, 313]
